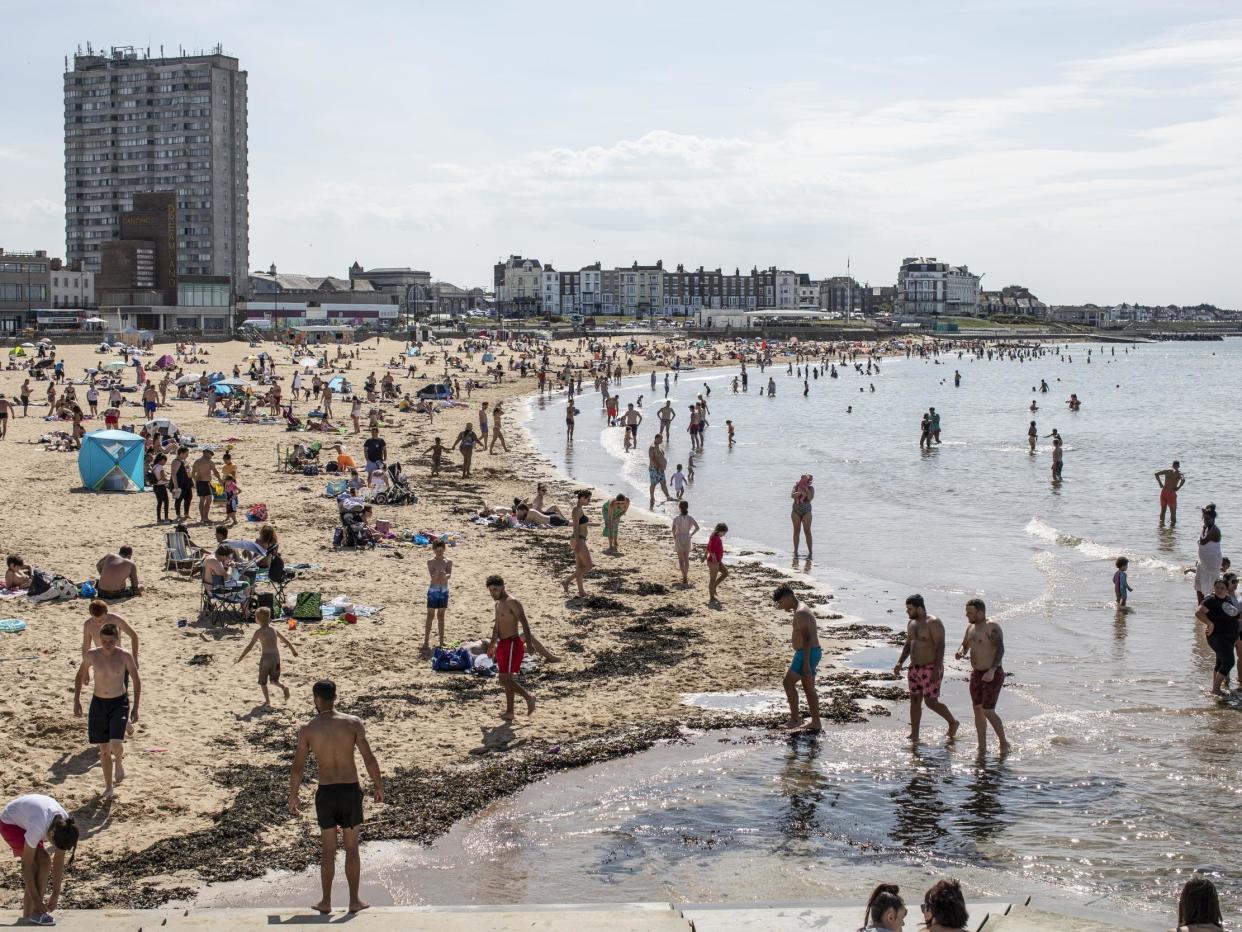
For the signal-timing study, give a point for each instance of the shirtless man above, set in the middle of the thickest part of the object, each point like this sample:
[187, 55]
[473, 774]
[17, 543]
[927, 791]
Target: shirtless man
[202, 472]
[506, 647]
[630, 421]
[684, 529]
[1170, 481]
[333, 737]
[98, 617]
[325, 400]
[985, 642]
[656, 464]
[6, 408]
[807, 654]
[440, 570]
[925, 648]
[665, 415]
[110, 712]
[116, 570]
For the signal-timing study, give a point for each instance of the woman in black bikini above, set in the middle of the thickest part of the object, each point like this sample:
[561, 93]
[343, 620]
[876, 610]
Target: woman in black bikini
[582, 555]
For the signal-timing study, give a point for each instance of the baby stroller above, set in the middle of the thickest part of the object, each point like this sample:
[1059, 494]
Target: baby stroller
[353, 531]
[399, 491]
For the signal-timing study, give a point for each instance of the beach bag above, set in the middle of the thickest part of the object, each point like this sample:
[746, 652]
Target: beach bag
[60, 588]
[450, 659]
[40, 582]
[257, 512]
[308, 607]
[267, 600]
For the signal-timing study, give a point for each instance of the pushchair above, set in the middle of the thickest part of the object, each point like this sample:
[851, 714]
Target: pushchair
[399, 491]
[353, 531]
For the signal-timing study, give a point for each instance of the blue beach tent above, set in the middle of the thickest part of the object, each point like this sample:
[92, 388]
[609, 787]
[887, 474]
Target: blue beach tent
[111, 461]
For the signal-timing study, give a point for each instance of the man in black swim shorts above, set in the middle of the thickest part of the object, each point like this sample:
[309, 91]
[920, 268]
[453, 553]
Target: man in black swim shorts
[333, 738]
[110, 711]
[202, 472]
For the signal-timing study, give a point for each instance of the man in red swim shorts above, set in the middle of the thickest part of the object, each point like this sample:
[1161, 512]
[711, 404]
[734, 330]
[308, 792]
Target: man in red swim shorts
[1169, 480]
[506, 647]
[925, 644]
[985, 642]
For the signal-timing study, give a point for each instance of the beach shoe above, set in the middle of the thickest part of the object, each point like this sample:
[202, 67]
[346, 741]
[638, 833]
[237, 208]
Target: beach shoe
[41, 919]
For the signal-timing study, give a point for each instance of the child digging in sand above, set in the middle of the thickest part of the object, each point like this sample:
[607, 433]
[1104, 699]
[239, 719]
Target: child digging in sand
[269, 658]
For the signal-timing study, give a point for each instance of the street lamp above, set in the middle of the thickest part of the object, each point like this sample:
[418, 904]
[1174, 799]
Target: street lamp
[275, 291]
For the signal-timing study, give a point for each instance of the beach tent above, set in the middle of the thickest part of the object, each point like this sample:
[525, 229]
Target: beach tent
[115, 364]
[111, 461]
[165, 362]
[438, 392]
[17, 351]
[340, 385]
[489, 357]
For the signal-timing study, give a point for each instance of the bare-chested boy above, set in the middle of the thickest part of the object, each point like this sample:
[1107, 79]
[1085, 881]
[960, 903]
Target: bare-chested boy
[985, 642]
[806, 657]
[925, 648]
[333, 737]
[507, 648]
[439, 569]
[684, 529]
[110, 711]
[269, 640]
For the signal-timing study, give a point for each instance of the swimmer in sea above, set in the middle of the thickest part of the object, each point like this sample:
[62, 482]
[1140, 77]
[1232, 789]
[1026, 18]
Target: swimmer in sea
[1170, 481]
[1032, 435]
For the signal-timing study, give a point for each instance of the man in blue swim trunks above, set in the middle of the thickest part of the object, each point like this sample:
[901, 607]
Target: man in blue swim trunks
[657, 462]
[807, 654]
[439, 569]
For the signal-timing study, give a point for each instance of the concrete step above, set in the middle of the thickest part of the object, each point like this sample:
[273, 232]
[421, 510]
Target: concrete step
[622, 918]
[1033, 919]
[796, 918]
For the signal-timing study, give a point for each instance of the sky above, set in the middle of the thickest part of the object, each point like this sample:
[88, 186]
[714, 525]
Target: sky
[1088, 149]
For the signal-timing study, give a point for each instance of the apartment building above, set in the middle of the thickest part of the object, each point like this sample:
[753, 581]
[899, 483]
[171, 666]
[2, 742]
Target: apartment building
[927, 287]
[136, 124]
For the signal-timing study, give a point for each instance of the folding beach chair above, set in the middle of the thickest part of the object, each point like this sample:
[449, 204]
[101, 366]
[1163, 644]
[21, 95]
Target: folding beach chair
[178, 554]
[220, 603]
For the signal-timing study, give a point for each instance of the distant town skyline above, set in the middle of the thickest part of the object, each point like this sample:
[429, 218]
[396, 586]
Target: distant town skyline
[1087, 150]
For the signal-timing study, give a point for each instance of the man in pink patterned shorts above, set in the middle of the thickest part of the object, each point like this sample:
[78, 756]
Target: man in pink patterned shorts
[925, 648]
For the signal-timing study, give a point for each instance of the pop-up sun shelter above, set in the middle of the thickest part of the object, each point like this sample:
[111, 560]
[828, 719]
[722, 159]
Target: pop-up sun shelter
[111, 461]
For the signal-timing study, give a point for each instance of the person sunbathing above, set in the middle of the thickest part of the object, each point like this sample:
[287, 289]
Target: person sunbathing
[17, 575]
[527, 515]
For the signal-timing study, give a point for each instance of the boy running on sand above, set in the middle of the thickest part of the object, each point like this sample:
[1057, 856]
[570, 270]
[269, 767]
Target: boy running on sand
[440, 570]
[269, 658]
[437, 453]
[684, 528]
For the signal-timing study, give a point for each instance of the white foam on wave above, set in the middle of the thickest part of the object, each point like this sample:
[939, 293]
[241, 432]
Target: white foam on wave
[1042, 530]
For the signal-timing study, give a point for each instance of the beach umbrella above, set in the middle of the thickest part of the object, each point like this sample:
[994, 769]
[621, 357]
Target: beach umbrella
[309, 362]
[189, 378]
[28, 346]
[115, 364]
[94, 320]
[221, 389]
[235, 383]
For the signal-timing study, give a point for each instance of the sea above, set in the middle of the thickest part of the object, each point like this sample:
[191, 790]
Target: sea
[1126, 775]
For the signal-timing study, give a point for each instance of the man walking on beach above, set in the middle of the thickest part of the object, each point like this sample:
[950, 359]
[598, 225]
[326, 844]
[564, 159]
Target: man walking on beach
[805, 663]
[333, 738]
[507, 648]
[657, 463]
[985, 642]
[110, 712]
[375, 450]
[925, 648]
[1170, 481]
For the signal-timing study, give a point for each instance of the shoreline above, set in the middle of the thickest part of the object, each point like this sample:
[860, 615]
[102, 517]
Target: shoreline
[205, 798]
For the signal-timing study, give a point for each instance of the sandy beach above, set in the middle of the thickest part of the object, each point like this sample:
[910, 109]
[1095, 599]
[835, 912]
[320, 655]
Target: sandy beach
[208, 767]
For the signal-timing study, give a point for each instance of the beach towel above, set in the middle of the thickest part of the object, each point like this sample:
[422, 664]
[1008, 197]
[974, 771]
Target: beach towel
[308, 607]
[11, 593]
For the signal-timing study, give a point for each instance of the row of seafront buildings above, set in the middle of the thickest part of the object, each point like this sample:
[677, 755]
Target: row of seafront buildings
[925, 287]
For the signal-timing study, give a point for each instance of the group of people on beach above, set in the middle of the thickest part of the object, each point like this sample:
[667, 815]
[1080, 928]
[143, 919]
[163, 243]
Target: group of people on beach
[336, 739]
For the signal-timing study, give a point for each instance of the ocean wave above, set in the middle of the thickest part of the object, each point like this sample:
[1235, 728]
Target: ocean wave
[1042, 530]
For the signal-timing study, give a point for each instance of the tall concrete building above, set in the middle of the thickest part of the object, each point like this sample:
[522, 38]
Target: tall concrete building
[137, 124]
